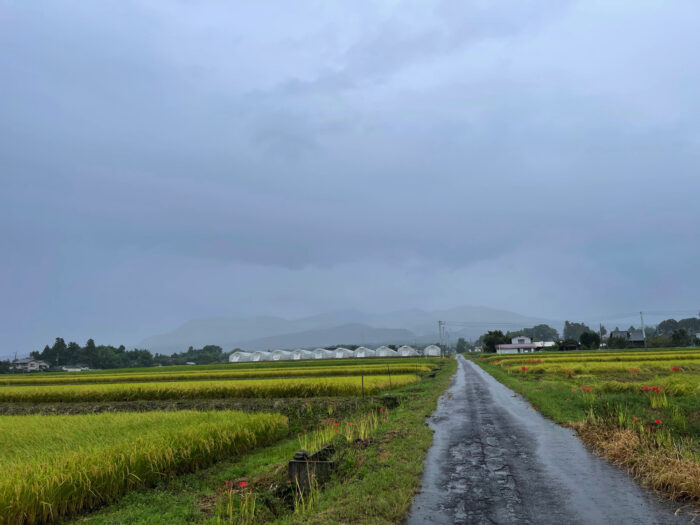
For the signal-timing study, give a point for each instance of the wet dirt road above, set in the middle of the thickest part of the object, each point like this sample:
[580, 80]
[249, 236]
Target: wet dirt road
[495, 460]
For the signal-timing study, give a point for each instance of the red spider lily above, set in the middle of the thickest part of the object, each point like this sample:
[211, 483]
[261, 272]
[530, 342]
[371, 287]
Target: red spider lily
[381, 409]
[539, 360]
[335, 431]
[523, 368]
[507, 366]
[655, 388]
[568, 371]
[243, 484]
[645, 388]
[336, 424]
[634, 370]
[634, 419]
[574, 390]
[657, 421]
[588, 389]
[676, 368]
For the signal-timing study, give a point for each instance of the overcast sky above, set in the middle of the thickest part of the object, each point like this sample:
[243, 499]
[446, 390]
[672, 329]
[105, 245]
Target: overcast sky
[162, 161]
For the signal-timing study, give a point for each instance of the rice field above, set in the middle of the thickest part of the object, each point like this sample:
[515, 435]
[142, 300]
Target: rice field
[230, 373]
[59, 465]
[248, 388]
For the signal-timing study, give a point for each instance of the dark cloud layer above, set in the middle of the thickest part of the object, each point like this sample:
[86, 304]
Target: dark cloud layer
[162, 161]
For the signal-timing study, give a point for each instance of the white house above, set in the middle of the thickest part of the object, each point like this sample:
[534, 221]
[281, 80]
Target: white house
[518, 345]
[432, 351]
[362, 352]
[385, 351]
[407, 351]
[239, 357]
[29, 365]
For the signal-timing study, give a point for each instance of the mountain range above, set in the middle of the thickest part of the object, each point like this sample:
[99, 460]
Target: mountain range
[413, 326]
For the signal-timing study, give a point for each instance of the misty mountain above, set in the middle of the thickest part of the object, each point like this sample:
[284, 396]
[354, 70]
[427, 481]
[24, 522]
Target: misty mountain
[354, 333]
[409, 326]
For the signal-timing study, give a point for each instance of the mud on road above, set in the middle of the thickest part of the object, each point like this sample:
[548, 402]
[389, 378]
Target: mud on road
[496, 460]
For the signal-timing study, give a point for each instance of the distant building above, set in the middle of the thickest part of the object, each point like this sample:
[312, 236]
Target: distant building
[29, 365]
[518, 345]
[632, 337]
[75, 368]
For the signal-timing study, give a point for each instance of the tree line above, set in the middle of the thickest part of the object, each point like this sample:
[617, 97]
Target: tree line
[106, 356]
[668, 333]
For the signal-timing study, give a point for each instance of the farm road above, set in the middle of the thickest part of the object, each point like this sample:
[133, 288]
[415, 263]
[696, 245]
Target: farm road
[496, 460]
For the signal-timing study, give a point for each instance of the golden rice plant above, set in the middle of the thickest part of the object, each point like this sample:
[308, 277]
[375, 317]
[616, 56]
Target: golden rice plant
[298, 387]
[57, 466]
[250, 373]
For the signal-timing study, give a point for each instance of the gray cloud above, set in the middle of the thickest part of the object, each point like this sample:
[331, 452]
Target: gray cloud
[164, 161]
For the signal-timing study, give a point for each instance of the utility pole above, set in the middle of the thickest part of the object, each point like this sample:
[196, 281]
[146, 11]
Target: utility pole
[441, 330]
[644, 334]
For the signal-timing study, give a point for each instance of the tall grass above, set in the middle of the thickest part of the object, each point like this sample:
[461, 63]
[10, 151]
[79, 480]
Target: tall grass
[300, 387]
[56, 466]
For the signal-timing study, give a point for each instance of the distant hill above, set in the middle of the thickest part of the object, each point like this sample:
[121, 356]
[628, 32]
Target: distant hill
[354, 333]
[339, 327]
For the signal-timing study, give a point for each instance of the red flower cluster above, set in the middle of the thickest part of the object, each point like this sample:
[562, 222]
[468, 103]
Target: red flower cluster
[635, 418]
[523, 368]
[634, 370]
[568, 371]
[646, 388]
[676, 368]
[243, 484]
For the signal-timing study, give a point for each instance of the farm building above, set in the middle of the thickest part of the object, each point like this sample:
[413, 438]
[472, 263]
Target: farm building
[432, 351]
[261, 356]
[518, 345]
[239, 357]
[300, 354]
[385, 351]
[407, 351]
[281, 355]
[342, 353]
[362, 352]
[322, 353]
[29, 365]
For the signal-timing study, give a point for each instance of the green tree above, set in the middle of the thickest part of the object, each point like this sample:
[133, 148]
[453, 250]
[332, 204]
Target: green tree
[541, 332]
[679, 338]
[461, 345]
[573, 331]
[590, 340]
[491, 339]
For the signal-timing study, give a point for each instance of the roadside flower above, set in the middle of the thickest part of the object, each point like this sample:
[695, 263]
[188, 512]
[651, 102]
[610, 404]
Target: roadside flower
[676, 368]
[243, 484]
[657, 421]
[335, 431]
[523, 368]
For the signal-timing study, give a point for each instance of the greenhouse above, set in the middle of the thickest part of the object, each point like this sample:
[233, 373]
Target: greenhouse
[432, 351]
[261, 356]
[239, 357]
[385, 351]
[300, 354]
[362, 352]
[281, 355]
[407, 351]
[342, 353]
[322, 353]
